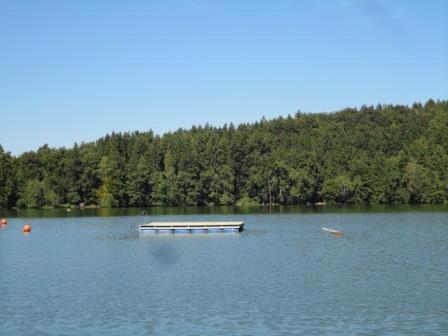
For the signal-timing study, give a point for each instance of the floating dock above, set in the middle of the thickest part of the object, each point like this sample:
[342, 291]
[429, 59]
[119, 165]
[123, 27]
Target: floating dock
[192, 227]
[334, 232]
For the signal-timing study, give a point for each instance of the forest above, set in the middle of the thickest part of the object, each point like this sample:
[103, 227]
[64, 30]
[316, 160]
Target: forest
[375, 154]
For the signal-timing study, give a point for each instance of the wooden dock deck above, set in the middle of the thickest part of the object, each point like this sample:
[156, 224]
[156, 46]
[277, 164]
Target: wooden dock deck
[192, 227]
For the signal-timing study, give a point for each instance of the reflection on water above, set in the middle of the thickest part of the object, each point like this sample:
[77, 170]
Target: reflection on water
[222, 210]
[92, 275]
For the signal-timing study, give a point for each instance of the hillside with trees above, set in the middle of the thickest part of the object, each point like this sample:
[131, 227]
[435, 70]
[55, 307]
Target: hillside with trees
[384, 154]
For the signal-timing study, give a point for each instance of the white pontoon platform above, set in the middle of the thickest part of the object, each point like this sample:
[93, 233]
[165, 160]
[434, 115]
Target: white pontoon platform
[191, 227]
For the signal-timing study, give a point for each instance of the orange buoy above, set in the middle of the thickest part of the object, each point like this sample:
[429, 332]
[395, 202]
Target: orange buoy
[4, 222]
[26, 228]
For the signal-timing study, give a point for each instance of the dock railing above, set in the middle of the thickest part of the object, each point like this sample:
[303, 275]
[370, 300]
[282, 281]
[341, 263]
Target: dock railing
[142, 215]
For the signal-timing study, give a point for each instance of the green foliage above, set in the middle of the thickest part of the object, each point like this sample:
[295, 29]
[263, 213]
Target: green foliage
[33, 195]
[246, 201]
[419, 183]
[340, 189]
[7, 180]
[382, 154]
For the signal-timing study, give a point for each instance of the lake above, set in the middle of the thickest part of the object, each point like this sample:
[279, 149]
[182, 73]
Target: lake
[87, 272]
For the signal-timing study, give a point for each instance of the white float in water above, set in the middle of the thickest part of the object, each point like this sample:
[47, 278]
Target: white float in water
[332, 231]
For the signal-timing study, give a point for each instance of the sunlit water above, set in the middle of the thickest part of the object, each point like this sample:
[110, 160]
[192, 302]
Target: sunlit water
[281, 276]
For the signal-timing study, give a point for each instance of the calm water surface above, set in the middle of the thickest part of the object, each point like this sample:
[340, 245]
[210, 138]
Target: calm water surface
[92, 275]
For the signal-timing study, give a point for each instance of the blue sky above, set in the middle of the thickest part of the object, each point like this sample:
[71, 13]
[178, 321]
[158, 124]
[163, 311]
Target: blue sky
[72, 71]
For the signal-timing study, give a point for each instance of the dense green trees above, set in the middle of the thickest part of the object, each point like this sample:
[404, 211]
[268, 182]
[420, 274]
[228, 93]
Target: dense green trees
[7, 187]
[382, 154]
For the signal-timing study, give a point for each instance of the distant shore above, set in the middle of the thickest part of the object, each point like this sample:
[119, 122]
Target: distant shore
[384, 154]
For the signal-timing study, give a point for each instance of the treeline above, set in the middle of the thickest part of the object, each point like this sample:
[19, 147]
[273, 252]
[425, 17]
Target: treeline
[382, 154]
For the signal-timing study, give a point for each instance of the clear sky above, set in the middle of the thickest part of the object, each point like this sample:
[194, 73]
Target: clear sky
[72, 71]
